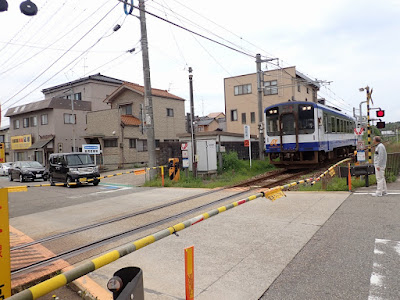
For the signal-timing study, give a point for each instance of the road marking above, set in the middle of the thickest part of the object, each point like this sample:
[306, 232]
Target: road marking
[385, 280]
[389, 193]
[101, 192]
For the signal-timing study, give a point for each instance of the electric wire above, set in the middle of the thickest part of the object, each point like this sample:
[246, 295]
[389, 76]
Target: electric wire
[58, 59]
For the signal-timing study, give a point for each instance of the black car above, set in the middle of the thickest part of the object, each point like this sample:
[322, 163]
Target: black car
[72, 168]
[27, 170]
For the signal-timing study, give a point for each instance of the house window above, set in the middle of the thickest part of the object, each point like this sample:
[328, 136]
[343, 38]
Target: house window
[26, 122]
[298, 88]
[243, 118]
[69, 119]
[242, 89]
[16, 124]
[44, 120]
[2, 138]
[78, 96]
[132, 143]
[157, 143]
[271, 87]
[308, 90]
[141, 145]
[126, 109]
[170, 112]
[110, 143]
[234, 115]
[33, 121]
[253, 117]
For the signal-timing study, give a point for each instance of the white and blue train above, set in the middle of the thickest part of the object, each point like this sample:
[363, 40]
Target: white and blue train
[300, 134]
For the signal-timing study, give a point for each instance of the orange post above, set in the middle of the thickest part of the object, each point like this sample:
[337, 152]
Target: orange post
[162, 175]
[349, 177]
[5, 260]
[189, 273]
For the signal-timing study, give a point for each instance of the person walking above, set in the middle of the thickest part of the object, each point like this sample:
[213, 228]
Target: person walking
[380, 159]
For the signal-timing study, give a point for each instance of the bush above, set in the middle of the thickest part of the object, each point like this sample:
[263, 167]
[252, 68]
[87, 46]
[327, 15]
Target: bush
[230, 161]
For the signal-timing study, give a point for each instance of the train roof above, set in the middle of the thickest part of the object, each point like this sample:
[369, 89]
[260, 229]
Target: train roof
[318, 105]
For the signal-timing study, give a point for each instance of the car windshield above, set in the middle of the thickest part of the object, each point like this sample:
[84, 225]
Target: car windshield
[79, 159]
[31, 164]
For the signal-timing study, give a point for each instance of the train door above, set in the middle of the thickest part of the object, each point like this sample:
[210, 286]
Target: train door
[325, 132]
[289, 132]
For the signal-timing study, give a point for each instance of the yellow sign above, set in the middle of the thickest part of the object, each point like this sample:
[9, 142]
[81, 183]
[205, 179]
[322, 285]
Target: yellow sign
[332, 172]
[2, 153]
[274, 194]
[5, 264]
[21, 142]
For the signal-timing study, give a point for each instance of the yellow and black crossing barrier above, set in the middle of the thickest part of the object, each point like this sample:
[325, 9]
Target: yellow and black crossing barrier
[63, 279]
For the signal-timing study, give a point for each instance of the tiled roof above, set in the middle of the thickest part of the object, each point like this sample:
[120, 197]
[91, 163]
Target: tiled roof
[154, 92]
[130, 120]
[215, 114]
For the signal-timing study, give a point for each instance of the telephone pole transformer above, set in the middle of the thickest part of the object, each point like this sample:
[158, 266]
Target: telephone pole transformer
[148, 101]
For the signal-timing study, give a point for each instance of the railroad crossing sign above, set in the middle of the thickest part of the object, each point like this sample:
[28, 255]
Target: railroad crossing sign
[358, 130]
[184, 146]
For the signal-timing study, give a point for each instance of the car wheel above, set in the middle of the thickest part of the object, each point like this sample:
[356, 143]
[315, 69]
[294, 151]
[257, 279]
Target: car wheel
[69, 181]
[96, 182]
[21, 178]
[10, 177]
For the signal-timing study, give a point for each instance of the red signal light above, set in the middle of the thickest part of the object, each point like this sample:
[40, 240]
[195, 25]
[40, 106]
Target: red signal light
[380, 113]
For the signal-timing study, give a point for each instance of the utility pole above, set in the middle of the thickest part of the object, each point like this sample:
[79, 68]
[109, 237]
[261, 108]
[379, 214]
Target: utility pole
[194, 148]
[73, 123]
[148, 102]
[260, 80]
[369, 93]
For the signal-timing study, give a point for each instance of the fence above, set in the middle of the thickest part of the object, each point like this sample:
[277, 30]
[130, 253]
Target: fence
[392, 164]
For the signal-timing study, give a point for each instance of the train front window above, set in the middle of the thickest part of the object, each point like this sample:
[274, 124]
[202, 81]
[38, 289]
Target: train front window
[306, 119]
[288, 124]
[273, 121]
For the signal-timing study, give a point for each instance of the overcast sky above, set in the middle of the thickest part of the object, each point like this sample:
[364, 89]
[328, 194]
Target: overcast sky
[350, 43]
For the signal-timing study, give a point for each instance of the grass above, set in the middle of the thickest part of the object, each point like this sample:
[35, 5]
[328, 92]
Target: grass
[338, 184]
[233, 171]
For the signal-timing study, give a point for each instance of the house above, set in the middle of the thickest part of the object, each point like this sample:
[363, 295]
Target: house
[280, 85]
[119, 129]
[40, 128]
[211, 122]
[94, 88]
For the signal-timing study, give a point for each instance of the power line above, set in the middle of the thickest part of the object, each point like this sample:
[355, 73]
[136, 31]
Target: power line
[188, 30]
[33, 80]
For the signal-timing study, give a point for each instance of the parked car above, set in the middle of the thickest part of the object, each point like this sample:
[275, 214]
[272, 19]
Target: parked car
[71, 167]
[27, 170]
[4, 168]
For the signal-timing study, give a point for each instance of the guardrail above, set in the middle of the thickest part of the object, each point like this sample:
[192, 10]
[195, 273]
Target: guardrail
[392, 164]
[63, 279]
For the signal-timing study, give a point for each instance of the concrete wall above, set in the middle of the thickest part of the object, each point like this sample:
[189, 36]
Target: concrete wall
[247, 103]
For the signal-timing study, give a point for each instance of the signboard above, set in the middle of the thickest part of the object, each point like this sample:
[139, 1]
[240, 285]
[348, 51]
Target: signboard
[358, 130]
[91, 148]
[185, 162]
[21, 142]
[246, 143]
[247, 132]
[360, 145]
[361, 155]
[2, 153]
[185, 154]
[184, 146]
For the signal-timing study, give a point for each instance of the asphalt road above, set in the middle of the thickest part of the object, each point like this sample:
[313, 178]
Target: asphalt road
[355, 255]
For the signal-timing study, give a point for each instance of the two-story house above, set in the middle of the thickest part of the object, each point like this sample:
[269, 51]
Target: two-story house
[119, 129]
[40, 128]
[280, 85]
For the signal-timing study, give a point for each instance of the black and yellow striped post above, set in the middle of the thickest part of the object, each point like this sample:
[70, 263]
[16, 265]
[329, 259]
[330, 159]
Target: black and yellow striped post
[369, 125]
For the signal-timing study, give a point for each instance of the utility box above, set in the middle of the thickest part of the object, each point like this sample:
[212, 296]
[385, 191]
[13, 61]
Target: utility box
[206, 154]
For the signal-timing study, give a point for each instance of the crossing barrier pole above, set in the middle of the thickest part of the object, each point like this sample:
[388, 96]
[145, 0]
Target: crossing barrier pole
[189, 273]
[162, 175]
[5, 262]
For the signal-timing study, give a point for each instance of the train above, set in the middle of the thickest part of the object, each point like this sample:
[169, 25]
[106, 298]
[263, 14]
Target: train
[300, 134]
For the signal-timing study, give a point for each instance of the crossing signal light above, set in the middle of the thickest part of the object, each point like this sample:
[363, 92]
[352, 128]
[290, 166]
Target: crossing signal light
[380, 113]
[380, 125]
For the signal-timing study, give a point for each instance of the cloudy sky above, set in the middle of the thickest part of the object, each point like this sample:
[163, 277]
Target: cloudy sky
[350, 44]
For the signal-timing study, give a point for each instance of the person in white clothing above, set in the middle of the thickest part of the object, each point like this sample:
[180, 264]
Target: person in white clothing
[380, 159]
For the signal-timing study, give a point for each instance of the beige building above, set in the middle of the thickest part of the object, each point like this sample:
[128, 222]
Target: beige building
[119, 129]
[241, 100]
[40, 128]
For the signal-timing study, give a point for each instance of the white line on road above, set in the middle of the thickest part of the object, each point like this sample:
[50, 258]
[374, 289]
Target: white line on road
[101, 192]
[362, 193]
[385, 280]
